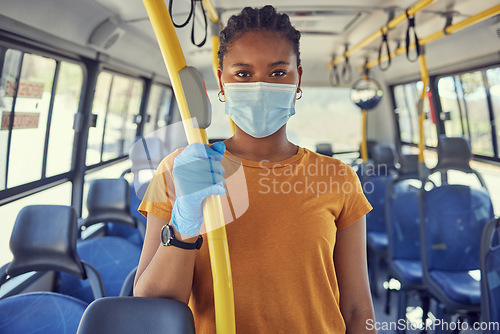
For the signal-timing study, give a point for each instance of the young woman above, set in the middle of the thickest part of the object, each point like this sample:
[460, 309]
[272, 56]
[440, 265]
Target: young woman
[298, 253]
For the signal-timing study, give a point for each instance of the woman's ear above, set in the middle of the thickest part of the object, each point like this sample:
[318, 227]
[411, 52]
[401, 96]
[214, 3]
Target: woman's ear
[299, 72]
[219, 79]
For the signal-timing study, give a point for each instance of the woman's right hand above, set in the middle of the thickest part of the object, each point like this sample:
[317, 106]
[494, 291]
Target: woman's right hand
[197, 174]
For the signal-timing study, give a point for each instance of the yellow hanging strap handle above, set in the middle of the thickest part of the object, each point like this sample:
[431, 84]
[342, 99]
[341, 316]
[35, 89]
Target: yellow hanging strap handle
[212, 208]
[424, 75]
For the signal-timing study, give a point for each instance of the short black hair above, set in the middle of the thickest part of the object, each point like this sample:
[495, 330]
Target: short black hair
[254, 19]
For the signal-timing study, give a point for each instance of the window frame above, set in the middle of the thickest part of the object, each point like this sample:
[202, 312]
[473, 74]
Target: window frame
[11, 194]
[495, 160]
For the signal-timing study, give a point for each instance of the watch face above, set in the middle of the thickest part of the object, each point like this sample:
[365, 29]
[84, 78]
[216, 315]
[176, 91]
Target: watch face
[166, 235]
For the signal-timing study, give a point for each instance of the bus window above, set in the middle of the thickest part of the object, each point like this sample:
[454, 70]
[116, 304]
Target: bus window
[41, 140]
[457, 124]
[158, 108]
[406, 99]
[493, 76]
[12, 61]
[333, 106]
[31, 109]
[66, 103]
[117, 99]
[219, 127]
[465, 97]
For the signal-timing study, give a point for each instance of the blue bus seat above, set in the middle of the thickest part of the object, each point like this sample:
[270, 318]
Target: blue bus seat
[137, 315]
[44, 238]
[452, 218]
[40, 312]
[375, 179]
[108, 201]
[403, 232]
[490, 274]
[113, 257]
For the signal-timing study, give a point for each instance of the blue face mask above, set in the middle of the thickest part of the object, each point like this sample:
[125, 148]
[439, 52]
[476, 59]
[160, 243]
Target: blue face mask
[259, 108]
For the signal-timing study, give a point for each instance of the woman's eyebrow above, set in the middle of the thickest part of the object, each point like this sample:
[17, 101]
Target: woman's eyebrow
[241, 65]
[276, 63]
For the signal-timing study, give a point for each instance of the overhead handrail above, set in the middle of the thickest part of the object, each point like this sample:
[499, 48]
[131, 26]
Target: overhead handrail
[448, 30]
[419, 6]
[212, 208]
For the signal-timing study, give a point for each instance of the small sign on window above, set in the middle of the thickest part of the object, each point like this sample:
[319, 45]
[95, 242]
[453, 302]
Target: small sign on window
[22, 120]
[32, 90]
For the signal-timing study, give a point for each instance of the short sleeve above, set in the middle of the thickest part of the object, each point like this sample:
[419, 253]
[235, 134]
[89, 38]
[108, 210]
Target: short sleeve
[160, 195]
[355, 203]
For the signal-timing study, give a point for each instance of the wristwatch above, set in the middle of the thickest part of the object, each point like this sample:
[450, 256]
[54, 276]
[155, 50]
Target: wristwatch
[168, 239]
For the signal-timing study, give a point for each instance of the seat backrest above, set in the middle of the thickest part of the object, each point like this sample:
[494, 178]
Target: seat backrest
[44, 238]
[40, 312]
[375, 179]
[453, 216]
[324, 148]
[401, 207]
[402, 220]
[108, 200]
[490, 273]
[114, 258]
[134, 315]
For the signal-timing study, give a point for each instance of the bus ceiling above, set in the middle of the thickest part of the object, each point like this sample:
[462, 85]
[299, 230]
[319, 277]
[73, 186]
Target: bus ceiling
[119, 33]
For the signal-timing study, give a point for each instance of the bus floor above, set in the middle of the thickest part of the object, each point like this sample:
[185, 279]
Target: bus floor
[388, 323]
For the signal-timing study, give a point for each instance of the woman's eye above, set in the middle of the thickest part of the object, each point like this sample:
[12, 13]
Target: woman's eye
[243, 74]
[278, 73]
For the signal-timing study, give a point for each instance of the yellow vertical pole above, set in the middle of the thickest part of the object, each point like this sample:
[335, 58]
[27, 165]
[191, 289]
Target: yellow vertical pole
[364, 130]
[424, 75]
[212, 208]
[364, 144]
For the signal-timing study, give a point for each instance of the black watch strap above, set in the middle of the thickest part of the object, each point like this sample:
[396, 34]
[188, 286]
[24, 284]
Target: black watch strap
[168, 239]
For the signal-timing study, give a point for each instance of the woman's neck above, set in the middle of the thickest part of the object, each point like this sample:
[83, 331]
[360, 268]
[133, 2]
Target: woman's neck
[275, 147]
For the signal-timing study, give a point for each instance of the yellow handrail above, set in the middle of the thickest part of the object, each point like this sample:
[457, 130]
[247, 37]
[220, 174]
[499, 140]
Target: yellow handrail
[364, 144]
[419, 6]
[424, 75]
[481, 16]
[212, 208]
[212, 12]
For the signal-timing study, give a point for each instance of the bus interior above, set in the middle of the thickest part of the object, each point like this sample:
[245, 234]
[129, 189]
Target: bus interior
[88, 111]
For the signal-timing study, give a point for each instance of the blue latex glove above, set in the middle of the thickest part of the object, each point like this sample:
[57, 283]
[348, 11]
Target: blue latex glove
[197, 174]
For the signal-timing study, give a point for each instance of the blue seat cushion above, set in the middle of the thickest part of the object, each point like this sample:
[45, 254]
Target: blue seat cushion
[41, 312]
[378, 240]
[459, 286]
[409, 270]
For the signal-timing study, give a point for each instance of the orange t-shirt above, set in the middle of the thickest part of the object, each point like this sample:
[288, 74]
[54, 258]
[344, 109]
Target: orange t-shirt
[282, 219]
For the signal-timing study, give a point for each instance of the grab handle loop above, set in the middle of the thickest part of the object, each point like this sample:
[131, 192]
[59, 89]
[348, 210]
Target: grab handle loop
[383, 42]
[411, 26]
[170, 3]
[334, 74]
[347, 69]
[206, 26]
